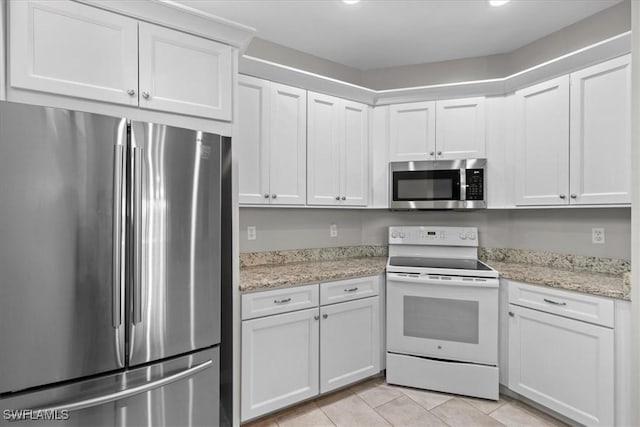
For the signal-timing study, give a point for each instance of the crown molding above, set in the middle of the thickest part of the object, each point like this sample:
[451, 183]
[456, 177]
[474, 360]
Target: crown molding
[581, 58]
[178, 16]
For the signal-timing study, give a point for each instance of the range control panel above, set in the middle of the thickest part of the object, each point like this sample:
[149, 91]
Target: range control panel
[435, 236]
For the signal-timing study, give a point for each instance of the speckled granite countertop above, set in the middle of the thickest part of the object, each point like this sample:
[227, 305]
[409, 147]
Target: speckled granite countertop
[267, 276]
[582, 281]
[598, 276]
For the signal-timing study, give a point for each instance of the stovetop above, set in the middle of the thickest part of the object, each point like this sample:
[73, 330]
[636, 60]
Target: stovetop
[431, 263]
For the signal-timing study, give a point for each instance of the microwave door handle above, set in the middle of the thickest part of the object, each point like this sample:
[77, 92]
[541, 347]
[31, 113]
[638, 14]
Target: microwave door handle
[463, 184]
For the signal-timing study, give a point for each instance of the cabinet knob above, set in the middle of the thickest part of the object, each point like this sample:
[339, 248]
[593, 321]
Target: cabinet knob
[266, 196]
[273, 196]
[324, 316]
[316, 317]
[337, 197]
[344, 198]
[574, 196]
[511, 314]
[146, 95]
[439, 153]
[131, 92]
[562, 196]
[432, 153]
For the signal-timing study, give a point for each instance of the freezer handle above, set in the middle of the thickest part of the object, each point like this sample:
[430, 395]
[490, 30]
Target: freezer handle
[123, 394]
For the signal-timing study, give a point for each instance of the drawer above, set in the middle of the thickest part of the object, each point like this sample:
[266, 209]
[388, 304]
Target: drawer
[350, 289]
[265, 303]
[588, 308]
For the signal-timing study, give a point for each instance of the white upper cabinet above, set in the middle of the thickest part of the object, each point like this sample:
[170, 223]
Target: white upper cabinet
[337, 151]
[252, 140]
[542, 143]
[412, 131]
[437, 130]
[573, 138]
[600, 142]
[460, 129]
[287, 145]
[271, 141]
[184, 74]
[72, 49]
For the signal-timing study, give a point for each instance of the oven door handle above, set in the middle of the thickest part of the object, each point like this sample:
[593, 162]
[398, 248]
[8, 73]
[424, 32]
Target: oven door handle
[454, 281]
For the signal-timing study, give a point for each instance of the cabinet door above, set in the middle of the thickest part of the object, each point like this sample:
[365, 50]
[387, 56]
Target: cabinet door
[349, 342]
[253, 140]
[412, 131]
[460, 127]
[288, 145]
[563, 364]
[279, 361]
[68, 48]
[184, 74]
[326, 136]
[354, 163]
[542, 144]
[600, 144]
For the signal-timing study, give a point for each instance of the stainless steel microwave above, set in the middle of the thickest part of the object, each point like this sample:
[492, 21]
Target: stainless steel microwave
[438, 184]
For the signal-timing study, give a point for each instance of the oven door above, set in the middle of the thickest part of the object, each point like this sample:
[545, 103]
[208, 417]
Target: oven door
[443, 317]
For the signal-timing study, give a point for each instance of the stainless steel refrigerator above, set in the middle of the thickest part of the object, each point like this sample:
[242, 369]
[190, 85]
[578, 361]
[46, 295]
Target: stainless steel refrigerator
[110, 270]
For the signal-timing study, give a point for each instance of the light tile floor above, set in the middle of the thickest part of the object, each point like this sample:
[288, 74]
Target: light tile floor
[376, 403]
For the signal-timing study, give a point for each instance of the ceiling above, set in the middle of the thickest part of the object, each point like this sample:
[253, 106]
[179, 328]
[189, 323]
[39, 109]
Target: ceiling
[386, 33]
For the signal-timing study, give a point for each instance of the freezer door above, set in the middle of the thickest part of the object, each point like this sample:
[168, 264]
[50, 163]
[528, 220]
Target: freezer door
[60, 311]
[180, 392]
[175, 241]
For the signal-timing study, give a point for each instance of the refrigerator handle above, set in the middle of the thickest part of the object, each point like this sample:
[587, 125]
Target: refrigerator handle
[137, 233]
[118, 167]
[123, 394]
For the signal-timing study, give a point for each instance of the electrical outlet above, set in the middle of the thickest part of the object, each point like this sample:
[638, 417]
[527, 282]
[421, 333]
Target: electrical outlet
[333, 230]
[251, 232]
[597, 235]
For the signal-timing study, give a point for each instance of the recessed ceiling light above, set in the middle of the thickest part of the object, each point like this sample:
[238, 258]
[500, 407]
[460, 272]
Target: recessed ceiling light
[498, 2]
[351, 1]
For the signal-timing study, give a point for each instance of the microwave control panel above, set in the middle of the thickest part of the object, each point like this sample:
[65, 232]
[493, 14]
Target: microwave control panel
[475, 184]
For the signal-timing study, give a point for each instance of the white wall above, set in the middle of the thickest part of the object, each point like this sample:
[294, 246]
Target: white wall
[556, 230]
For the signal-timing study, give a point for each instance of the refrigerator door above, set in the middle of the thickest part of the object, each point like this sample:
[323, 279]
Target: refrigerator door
[61, 312]
[179, 392]
[175, 234]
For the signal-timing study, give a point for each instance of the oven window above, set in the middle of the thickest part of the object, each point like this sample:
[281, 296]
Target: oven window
[441, 319]
[426, 185]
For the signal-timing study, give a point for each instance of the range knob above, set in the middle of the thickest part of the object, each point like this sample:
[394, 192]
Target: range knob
[394, 234]
[471, 235]
[401, 235]
[463, 236]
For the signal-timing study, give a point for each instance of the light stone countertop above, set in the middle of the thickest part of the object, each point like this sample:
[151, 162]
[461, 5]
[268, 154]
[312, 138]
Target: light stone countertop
[269, 276]
[596, 276]
[581, 281]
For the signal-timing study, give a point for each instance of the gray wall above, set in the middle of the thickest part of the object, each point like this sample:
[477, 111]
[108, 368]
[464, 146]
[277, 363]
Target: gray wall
[555, 230]
[610, 22]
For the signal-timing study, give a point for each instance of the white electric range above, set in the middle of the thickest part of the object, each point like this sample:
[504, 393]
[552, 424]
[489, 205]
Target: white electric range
[442, 312]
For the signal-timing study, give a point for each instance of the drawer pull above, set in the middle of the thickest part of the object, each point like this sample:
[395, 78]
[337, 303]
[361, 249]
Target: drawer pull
[554, 302]
[281, 301]
[351, 290]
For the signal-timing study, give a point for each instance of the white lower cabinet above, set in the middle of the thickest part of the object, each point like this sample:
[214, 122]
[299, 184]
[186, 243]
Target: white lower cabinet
[292, 356]
[280, 361]
[564, 364]
[349, 342]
